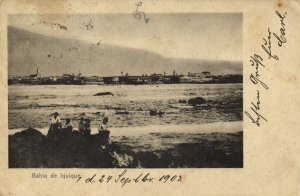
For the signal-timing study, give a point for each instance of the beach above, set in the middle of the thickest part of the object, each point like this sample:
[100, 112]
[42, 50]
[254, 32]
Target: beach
[206, 134]
[215, 145]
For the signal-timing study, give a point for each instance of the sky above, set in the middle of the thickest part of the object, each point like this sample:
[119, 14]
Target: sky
[207, 36]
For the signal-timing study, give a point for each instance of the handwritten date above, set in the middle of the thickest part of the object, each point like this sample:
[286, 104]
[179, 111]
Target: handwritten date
[123, 178]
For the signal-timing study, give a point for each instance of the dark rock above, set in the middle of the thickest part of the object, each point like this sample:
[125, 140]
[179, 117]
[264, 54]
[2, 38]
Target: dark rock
[30, 134]
[122, 112]
[25, 149]
[196, 101]
[157, 113]
[160, 113]
[153, 113]
[148, 159]
[31, 149]
[103, 94]
[82, 114]
[103, 137]
[182, 101]
[98, 113]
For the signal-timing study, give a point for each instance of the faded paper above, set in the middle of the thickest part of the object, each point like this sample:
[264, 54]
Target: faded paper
[270, 150]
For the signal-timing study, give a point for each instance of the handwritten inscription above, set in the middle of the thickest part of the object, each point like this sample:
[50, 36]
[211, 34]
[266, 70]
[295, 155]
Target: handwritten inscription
[123, 178]
[256, 61]
[269, 46]
[281, 39]
[139, 15]
[255, 109]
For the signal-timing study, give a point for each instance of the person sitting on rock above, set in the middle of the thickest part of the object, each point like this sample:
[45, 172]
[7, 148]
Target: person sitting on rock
[55, 126]
[104, 133]
[67, 128]
[81, 125]
[87, 127]
[104, 125]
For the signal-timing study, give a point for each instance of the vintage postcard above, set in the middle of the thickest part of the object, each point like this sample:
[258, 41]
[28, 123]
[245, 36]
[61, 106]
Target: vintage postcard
[149, 97]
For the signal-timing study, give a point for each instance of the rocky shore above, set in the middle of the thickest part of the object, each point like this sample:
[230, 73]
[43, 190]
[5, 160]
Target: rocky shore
[32, 149]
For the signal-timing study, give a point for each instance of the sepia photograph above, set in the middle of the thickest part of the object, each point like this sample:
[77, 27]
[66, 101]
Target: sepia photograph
[119, 90]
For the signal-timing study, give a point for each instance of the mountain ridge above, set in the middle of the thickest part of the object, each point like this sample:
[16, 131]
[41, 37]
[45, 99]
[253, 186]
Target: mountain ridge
[55, 56]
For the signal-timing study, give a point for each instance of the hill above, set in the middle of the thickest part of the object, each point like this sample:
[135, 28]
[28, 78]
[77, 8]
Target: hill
[55, 56]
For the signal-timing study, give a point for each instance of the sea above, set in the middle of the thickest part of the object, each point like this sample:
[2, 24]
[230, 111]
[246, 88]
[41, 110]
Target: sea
[129, 106]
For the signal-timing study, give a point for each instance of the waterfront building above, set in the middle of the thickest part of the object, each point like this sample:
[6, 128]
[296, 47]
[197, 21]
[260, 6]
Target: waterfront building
[111, 80]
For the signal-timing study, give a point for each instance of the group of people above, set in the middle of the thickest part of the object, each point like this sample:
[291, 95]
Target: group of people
[84, 127]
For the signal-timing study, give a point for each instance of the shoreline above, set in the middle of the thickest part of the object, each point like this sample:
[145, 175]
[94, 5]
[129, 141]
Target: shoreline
[31, 149]
[222, 127]
[232, 83]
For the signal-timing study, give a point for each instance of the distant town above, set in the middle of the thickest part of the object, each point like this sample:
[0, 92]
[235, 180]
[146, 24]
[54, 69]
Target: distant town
[204, 77]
